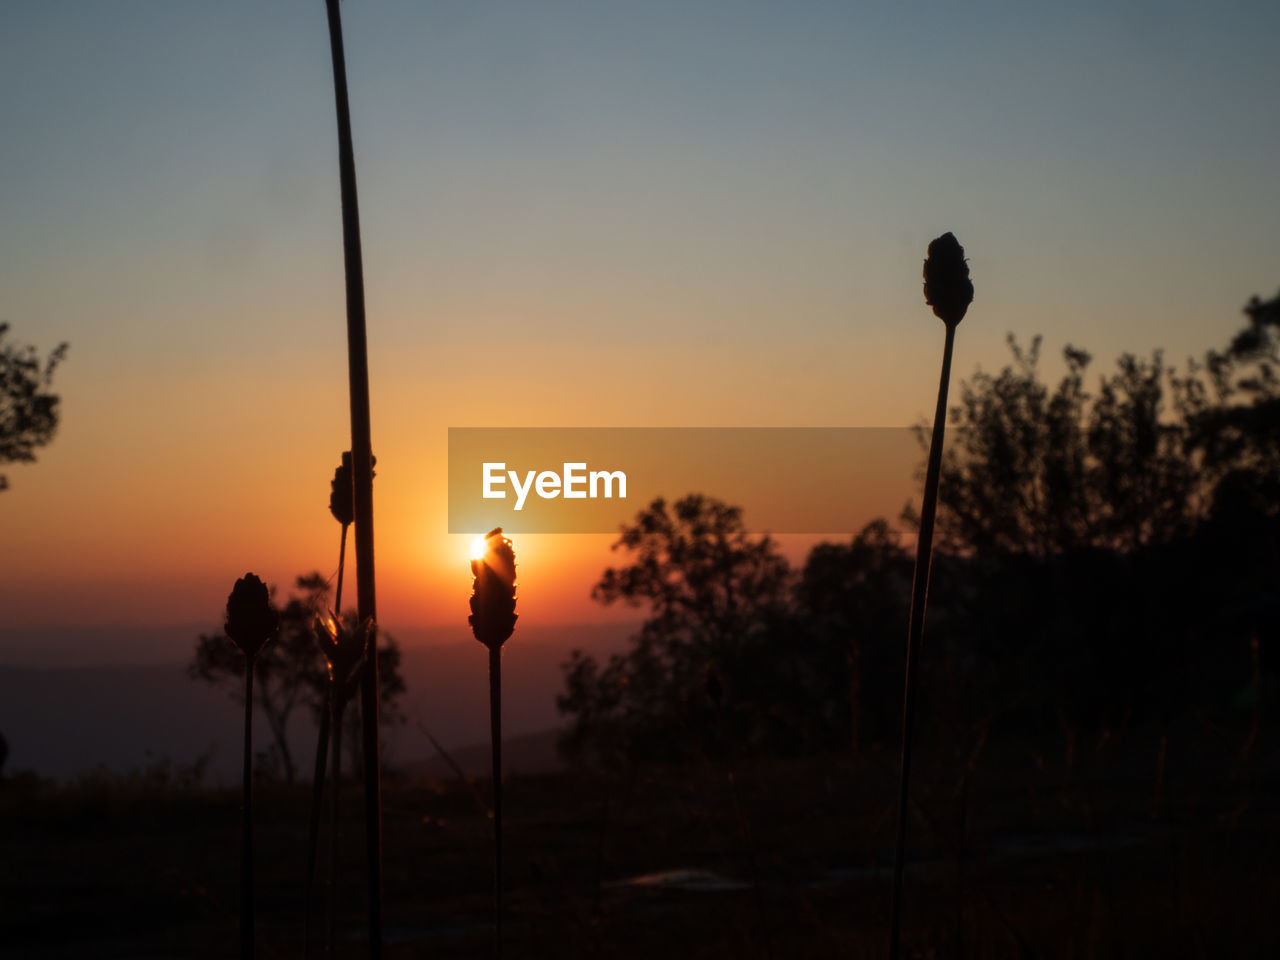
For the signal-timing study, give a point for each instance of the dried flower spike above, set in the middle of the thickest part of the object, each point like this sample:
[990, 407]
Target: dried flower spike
[493, 602]
[947, 287]
[343, 647]
[341, 493]
[251, 620]
[340, 504]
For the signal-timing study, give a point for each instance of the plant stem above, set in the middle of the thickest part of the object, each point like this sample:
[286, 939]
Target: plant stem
[317, 802]
[246, 823]
[362, 473]
[915, 632]
[333, 826]
[495, 736]
[322, 752]
[342, 561]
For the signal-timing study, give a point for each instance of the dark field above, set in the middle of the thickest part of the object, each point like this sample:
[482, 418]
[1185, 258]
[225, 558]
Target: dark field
[1034, 853]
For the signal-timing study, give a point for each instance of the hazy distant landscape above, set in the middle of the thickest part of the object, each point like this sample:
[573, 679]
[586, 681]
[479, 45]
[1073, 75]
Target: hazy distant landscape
[137, 705]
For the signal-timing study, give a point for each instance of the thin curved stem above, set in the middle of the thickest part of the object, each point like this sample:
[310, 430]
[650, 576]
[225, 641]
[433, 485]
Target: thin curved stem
[342, 559]
[915, 633]
[322, 753]
[246, 822]
[317, 803]
[336, 739]
[362, 473]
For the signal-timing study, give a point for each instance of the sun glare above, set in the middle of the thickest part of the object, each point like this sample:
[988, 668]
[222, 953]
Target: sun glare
[478, 548]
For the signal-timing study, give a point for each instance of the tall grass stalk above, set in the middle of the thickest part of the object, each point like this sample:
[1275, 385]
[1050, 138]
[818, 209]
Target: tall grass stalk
[335, 709]
[493, 619]
[344, 649]
[313, 828]
[251, 622]
[246, 821]
[341, 506]
[948, 290]
[362, 474]
[495, 739]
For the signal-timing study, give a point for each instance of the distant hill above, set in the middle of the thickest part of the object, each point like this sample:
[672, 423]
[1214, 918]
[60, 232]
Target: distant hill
[65, 721]
[103, 646]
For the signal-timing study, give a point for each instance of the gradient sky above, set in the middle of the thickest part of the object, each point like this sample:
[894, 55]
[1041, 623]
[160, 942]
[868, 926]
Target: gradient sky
[574, 214]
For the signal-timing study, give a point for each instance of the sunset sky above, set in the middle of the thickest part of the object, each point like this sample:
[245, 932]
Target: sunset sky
[574, 214]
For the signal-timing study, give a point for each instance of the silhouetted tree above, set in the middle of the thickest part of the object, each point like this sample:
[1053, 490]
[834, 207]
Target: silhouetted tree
[718, 604]
[1143, 460]
[1114, 547]
[1110, 552]
[853, 598]
[28, 411]
[1234, 419]
[291, 672]
[1035, 471]
[1234, 425]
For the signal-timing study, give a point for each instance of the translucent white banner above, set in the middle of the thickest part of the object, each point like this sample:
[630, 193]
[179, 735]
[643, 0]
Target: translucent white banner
[595, 479]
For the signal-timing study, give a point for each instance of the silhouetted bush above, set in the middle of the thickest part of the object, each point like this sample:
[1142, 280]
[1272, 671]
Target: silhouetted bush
[1107, 555]
[291, 673]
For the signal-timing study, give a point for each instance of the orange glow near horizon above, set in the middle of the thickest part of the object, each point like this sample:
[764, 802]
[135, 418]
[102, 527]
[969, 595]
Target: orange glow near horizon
[159, 538]
[627, 257]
